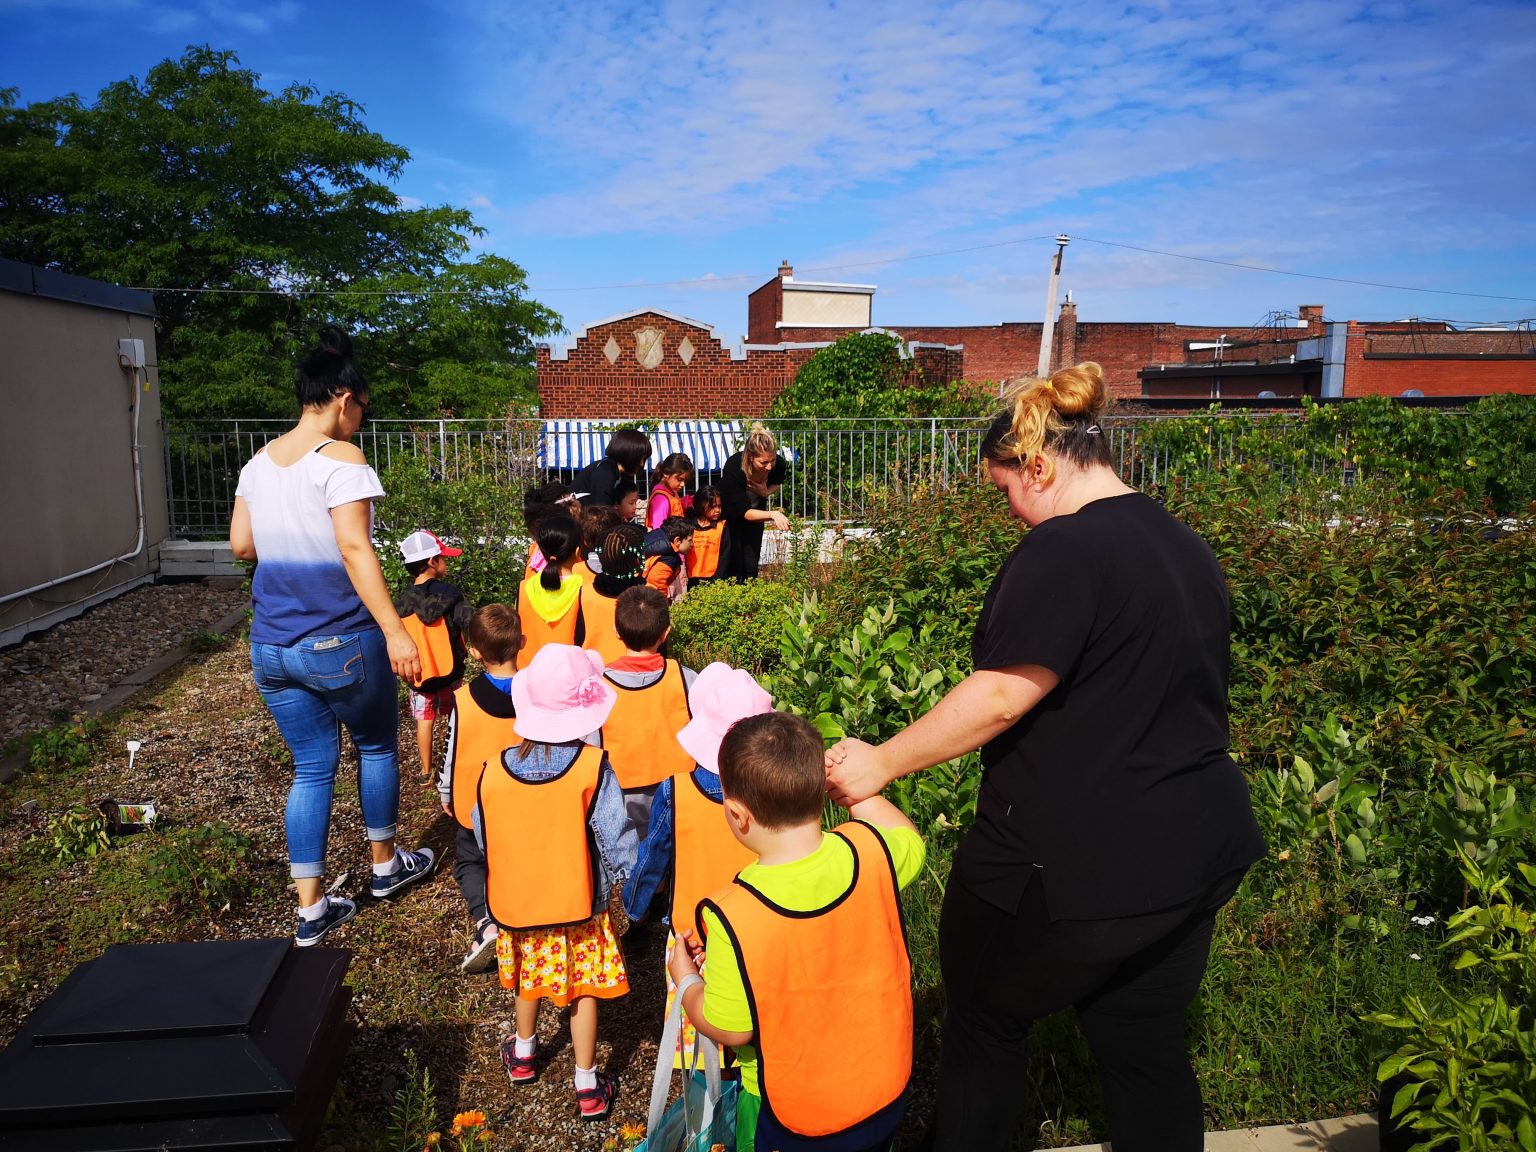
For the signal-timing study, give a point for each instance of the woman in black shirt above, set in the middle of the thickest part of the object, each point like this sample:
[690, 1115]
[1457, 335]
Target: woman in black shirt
[746, 481]
[1111, 824]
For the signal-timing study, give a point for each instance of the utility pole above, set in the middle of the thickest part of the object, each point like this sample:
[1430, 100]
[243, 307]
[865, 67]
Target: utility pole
[1048, 328]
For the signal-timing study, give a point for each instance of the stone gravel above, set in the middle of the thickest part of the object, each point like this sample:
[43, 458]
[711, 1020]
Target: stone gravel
[75, 662]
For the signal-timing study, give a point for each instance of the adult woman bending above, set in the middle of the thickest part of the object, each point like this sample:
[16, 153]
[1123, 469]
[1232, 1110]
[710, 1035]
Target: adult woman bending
[1111, 823]
[326, 642]
[746, 481]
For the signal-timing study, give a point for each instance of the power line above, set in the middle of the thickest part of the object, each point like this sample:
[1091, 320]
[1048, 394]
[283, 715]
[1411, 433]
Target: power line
[1305, 275]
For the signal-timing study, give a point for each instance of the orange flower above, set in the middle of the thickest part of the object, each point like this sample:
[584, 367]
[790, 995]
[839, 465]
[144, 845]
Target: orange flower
[433, 1140]
[631, 1131]
[467, 1121]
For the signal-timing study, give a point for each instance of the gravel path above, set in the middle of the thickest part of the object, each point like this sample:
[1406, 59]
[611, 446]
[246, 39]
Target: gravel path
[74, 663]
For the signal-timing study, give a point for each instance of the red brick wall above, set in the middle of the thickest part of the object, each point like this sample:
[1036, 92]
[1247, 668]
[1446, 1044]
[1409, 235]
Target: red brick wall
[764, 308]
[587, 386]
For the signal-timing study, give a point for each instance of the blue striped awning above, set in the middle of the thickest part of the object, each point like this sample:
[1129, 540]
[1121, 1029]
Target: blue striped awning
[571, 444]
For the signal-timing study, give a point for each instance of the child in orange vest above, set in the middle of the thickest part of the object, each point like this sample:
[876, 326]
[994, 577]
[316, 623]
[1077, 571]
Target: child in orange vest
[672, 476]
[620, 562]
[709, 537]
[640, 736]
[479, 730]
[665, 569]
[688, 838]
[805, 949]
[551, 818]
[434, 614]
[549, 604]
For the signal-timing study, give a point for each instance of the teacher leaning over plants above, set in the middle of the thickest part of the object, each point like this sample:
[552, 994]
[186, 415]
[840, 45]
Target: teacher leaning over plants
[1111, 823]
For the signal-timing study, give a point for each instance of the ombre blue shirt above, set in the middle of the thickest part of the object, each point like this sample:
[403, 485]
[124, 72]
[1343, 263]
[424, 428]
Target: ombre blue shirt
[301, 587]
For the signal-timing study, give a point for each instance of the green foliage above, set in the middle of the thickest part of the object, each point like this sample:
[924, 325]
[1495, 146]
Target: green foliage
[201, 869]
[737, 623]
[1465, 1073]
[203, 640]
[197, 178]
[865, 374]
[77, 833]
[413, 1113]
[478, 512]
[64, 747]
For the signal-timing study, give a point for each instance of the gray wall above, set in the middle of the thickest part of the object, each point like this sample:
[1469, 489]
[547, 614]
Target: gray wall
[66, 447]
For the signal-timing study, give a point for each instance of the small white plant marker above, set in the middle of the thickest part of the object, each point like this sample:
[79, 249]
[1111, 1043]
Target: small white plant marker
[133, 750]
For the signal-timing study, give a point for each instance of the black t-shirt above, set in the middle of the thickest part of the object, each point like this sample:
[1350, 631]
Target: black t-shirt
[744, 542]
[1117, 786]
[598, 480]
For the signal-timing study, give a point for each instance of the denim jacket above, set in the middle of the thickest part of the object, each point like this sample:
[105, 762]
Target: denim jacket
[655, 852]
[612, 837]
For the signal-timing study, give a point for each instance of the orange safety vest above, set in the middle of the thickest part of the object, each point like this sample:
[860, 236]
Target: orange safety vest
[705, 855]
[703, 558]
[674, 502]
[640, 734]
[543, 821]
[538, 631]
[434, 645]
[658, 575]
[479, 738]
[529, 571]
[816, 978]
[584, 570]
[602, 633]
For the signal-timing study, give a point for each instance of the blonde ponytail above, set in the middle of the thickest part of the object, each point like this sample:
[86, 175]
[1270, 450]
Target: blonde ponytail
[1041, 413]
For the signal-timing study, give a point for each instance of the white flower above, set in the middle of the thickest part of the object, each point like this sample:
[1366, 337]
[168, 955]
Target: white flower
[1422, 921]
[1414, 956]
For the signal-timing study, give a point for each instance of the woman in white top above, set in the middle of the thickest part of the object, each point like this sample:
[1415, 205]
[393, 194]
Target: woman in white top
[326, 642]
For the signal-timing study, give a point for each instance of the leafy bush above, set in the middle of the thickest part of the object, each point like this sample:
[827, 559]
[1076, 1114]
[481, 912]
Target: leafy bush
[479, 513]
[737, 623]
[865, 374]
[199, 869]
[64, 747]
[77, 833]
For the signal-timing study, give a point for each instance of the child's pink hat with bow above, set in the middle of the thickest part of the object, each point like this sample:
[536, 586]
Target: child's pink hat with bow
[721, 695]
[561, 695]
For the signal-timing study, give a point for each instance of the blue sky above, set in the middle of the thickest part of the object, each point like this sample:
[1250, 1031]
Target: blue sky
[610, 148]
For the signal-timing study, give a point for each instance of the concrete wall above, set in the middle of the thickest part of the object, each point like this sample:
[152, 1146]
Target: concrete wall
[66, 450]
[820, 309]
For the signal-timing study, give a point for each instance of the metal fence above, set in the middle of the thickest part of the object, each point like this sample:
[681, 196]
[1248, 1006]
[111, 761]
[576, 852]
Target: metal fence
[835, 466]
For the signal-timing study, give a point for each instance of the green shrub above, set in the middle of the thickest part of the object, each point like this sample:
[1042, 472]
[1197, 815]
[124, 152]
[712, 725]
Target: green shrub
[64, 747]
[200, 869]
[737, 623]
[77, 833]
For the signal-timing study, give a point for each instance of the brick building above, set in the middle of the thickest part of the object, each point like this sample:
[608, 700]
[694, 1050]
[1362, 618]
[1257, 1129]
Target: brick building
[652, 363]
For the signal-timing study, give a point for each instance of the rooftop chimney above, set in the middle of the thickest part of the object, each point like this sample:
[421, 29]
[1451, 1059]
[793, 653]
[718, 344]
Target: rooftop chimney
[785, 271]
[1311, 313]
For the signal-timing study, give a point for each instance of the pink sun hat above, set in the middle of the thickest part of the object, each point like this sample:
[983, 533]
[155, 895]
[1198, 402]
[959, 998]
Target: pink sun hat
[721, 695]
[561, 695]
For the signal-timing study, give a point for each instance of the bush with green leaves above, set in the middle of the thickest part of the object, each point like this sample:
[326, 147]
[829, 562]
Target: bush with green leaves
[65, 747]
[738, 623]
[77, 833]
[200, 869]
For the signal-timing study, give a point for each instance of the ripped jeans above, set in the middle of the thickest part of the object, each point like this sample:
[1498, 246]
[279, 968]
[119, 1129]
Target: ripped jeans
[313, 689]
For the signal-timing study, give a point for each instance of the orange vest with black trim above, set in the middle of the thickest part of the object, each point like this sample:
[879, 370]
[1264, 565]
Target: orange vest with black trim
[640, 734]
[478, 739]
[703, 558]
[815, 978]
[602, 634]
[538, 631]
[433, 644]
[705, 856]
[543, 821]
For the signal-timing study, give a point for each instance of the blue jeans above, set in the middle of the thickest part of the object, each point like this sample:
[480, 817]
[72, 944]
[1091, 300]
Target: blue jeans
[313, 689]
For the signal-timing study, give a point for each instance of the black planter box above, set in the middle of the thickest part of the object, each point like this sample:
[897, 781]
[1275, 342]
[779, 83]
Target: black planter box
[218, 1044]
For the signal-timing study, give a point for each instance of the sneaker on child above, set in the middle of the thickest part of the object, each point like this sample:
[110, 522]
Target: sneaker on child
[410, 867]
[520, 1069]
[596, 1103]
[312, 930]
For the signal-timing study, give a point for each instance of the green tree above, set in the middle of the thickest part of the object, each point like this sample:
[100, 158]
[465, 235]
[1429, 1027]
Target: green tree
[865, 375]
[258, 216]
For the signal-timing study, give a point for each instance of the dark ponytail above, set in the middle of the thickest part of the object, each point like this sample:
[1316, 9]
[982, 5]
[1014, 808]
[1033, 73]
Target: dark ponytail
[327, 370]
[559, 539]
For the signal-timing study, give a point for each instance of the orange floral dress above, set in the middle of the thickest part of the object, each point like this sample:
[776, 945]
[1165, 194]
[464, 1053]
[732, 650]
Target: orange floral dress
[562, 964]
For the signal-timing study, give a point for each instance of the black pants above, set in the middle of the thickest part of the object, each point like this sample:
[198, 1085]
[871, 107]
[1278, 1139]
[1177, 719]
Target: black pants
[469, 873]
[1131, 981]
